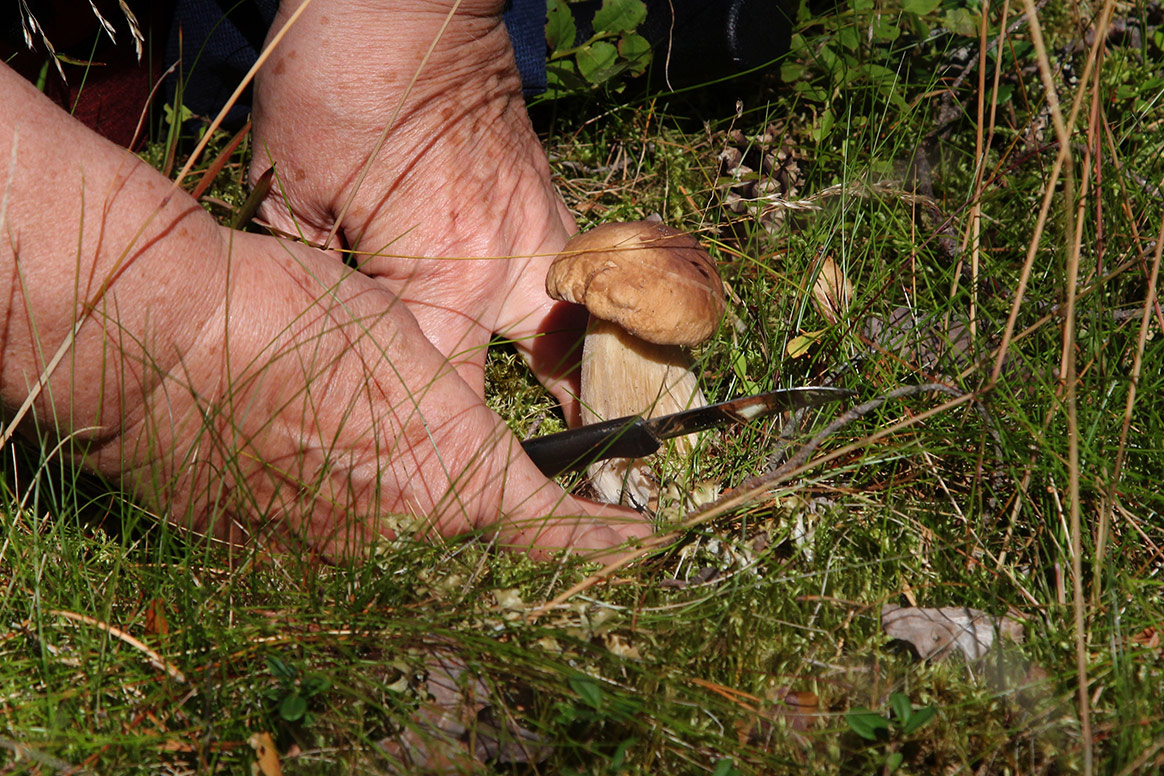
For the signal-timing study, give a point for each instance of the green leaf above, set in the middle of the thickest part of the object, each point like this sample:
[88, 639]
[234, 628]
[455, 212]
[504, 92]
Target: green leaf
[314, 685]
[886, 30]
[916, 26]
[810, 92]
[920, 7]
[282, 670]
[887, 82]
[800, 345]
[619, 16]
[961, 22]
[893, 761]
[866, 723]
[181, 116]
[563, 75]
[1005, 91]
[636, 50]
[588, 690]
[901, 706]
[560, 28]
[849, 37]
[829, 60]
[740, 367]
[293, 707]
[725, 767]
[918, 718]
[791, 71]
[880, 73]
[619, 756]
[824, 126]
[597, 62]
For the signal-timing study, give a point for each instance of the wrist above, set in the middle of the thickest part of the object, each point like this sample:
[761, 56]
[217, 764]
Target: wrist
[102, 262]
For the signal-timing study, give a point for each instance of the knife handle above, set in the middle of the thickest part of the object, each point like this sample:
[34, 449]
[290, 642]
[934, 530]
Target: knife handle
[579, 447]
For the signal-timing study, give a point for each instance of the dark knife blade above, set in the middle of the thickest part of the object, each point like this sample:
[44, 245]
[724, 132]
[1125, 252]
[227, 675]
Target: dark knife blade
[635, 436]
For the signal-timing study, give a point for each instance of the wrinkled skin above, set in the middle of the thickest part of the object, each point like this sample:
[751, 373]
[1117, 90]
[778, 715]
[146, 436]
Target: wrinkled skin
[258, 389]
[460, 180]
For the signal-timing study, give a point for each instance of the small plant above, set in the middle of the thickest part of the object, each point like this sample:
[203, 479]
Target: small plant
[612, 50]
[726, 767]
[891, 729]
[292, 696]
[593, 710]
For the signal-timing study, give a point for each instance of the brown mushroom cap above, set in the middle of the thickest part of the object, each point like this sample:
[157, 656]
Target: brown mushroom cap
[653, 280]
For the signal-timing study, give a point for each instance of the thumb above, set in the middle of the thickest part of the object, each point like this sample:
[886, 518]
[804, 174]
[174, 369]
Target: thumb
[539, 517]
[546, 332]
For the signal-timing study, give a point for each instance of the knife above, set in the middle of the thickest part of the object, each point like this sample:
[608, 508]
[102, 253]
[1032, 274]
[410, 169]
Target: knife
[635, 436]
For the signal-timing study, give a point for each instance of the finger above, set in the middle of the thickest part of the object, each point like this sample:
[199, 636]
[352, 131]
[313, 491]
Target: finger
[541, 518]
[592, 530]
[274, 213]
[548, 334]
[485, 483]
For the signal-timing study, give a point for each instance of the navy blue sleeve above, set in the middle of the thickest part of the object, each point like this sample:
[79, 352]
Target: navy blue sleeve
[218, 41]
[526, 22]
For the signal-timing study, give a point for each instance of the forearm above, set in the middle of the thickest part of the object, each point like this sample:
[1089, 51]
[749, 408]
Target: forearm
[96, 242]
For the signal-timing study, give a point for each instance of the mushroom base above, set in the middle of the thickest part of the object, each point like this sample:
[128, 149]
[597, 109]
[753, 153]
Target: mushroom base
[624, 375]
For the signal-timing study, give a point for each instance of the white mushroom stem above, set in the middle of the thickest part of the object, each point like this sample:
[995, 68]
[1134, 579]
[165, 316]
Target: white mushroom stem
[624, 375]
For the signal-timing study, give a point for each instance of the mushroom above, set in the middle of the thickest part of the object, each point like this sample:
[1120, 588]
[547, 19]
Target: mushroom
[651, 290]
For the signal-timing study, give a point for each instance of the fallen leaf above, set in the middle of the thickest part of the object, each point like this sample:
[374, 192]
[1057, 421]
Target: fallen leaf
[801, 344]
[459, 729]
[1149, 638]
[621, 647]
[175, 745]
[934, 342]
[935, 633]
[509, 600]
[798, 710]
[831, 291]
[266, 756]
[155, 618]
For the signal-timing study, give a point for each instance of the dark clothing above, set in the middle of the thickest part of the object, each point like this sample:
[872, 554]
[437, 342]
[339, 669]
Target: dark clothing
[217, 41]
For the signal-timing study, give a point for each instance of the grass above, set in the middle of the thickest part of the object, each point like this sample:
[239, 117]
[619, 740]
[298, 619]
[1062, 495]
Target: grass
[751, 641]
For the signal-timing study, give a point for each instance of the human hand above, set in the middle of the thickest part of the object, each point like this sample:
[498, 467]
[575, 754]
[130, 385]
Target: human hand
[457, 214]
[339, 419]
[239, 384]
